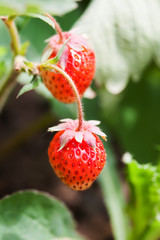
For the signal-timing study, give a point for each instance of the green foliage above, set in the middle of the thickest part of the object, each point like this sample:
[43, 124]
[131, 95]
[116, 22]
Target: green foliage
[3, 67]
[126, 37]
[42, 17]
[55, 7]
[140, 218]
[144, 205]
[133, 116]
[34, 215]
[113, 197]
[30, 86]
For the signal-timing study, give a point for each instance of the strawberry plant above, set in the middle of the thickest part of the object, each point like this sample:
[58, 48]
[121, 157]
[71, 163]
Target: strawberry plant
[77, 60]
[94, 57]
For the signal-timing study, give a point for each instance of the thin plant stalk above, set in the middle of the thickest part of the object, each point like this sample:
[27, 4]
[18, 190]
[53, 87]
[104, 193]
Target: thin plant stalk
[9, 82]
[69, 79]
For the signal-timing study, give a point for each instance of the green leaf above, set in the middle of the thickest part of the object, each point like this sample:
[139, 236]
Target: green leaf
[137, 121]
[153, 232]
[42, 17]
[144, 206]
[30, 86]
[34, 15]
[113, 197]
[24, 48]
[28, 64]
[33, 215]
[126, 37]
[3, 68]
[55, 7]
[3, 63]
[3, 51]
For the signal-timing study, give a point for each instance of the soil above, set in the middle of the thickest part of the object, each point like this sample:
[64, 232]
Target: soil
[24, 163]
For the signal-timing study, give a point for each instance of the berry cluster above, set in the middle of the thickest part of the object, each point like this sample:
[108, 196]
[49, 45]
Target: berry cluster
[76, 153]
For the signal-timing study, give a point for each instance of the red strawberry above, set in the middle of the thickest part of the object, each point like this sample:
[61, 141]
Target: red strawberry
[77, 157]
[77, 60]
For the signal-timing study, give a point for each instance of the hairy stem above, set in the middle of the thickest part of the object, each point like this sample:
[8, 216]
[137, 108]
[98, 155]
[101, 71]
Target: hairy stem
[69, 79]
[57, 27]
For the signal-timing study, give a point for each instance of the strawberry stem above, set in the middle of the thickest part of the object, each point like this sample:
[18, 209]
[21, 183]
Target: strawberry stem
[69, 79]
[15, 44]
[8, 83]
[57, 27]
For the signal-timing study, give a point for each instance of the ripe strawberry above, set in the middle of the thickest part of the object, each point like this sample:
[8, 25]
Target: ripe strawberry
[77, 60]
[77, 157]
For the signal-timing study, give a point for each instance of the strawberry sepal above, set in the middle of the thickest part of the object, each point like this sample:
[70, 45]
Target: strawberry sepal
[69, 126]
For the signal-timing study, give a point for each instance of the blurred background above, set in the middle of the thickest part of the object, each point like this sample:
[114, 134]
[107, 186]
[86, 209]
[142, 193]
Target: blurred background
[127, 102]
